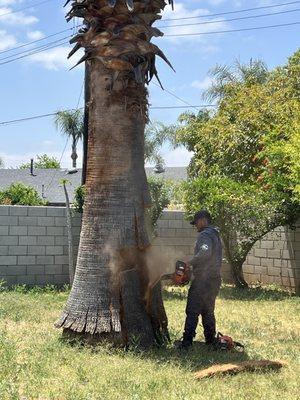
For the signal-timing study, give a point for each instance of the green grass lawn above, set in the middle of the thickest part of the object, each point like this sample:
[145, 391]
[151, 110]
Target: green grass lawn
[36, 364]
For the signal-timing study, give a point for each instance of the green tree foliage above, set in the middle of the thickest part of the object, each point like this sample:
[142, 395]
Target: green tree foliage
[1, 163]
[227, 79]
[79, 196]
[44, 162]
[70, 123]
[18, 193]
[156, 135]
[243, 212]
[160, 197]
[248, 149]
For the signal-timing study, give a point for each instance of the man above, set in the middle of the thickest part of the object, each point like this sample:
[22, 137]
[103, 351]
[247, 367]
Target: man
[206, 265]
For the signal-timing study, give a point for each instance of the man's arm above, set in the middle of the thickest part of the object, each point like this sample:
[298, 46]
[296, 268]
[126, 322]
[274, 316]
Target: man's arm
[204, 246]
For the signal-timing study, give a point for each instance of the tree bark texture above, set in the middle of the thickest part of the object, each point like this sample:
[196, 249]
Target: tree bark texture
[236, 266]
[74, 155]
[86, 120]
[113, 237]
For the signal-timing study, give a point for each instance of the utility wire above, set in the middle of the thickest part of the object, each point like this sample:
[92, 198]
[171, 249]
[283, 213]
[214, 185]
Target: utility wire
[4, 123]
[232, 12]
[168, 35]
[175, 96]
[164, 26]
[234, 30]
[33, 52]
[232, 19]
[44, 46]
[26, 8]
[67, 140]
[35, 41]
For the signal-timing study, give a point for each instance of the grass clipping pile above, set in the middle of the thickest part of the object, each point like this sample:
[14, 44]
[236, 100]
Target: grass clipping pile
[244, 366]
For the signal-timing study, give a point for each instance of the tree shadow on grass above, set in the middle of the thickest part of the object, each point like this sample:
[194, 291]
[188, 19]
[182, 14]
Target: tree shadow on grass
[254, 293]
[198, 357]
[227, 292]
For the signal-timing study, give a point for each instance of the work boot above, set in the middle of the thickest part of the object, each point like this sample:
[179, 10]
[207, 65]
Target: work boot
[185, 344]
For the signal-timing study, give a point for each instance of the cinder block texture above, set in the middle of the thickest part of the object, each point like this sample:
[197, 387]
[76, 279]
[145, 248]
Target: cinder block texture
[34, 247]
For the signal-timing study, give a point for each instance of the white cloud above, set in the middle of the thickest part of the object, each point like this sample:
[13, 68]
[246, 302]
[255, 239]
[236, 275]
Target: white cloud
[202, 85]
[56, 58]
[181, 11]
[35, 35]
[6, 40]
[17, 18]
[179, 157]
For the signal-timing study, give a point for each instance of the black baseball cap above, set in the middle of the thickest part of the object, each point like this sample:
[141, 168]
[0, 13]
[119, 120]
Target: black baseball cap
[201, 214]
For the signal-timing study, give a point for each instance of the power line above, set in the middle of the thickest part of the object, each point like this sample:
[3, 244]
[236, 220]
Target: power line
[233, 12]
[4, 123]
[167, 35]
[232, 19]
[43, 46]
[35, 41]
[174, 95]
[25, 8]
[67, 141]
[233, 30]
[34, 52]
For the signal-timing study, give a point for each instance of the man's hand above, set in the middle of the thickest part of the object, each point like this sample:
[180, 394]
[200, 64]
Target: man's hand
[187, 262]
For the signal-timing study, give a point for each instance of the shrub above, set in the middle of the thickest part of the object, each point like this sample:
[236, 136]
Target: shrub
[160, 196]
[18, 193]
[79, 196]
[43, 162]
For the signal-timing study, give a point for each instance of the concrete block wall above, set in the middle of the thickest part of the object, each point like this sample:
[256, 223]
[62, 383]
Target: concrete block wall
[276, 258]
[34, 247]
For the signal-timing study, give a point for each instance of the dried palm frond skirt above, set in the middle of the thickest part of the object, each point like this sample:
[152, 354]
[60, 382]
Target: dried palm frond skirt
[235, 368]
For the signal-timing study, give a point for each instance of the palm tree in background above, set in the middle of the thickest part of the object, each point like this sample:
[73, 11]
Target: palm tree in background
[70, 123]
[110, 296]
[225, 78]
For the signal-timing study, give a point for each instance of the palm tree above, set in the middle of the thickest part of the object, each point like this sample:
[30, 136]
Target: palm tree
[225, 78]
[71, 124]
[110, 296]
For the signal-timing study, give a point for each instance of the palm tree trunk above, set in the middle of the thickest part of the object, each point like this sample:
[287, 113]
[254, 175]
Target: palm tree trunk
[74, 155]
[86, 121]
[113, 238]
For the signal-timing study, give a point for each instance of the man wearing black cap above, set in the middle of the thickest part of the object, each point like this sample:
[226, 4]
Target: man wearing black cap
[205, 286]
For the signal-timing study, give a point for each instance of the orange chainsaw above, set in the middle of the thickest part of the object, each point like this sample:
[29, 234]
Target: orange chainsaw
[181, 275]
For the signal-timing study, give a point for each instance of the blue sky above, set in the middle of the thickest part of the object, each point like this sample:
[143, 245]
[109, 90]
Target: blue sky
[43, 83]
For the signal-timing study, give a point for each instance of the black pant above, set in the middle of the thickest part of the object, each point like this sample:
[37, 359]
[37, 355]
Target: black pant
[201, 301]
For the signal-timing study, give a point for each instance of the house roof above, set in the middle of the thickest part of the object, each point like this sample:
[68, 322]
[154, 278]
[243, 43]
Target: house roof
[47, 181]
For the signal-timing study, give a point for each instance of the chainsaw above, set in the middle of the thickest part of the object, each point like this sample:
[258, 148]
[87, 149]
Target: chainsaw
[181, 275]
